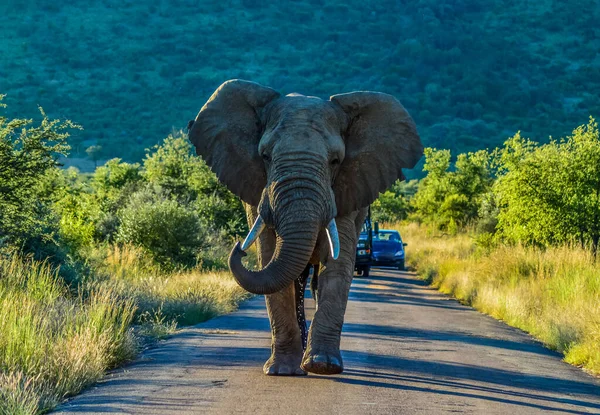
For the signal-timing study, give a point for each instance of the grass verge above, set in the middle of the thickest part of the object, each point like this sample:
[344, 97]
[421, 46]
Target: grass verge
[554, 294]
[56, 340]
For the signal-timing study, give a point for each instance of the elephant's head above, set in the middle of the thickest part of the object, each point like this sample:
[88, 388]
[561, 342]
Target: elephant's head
[302, 161]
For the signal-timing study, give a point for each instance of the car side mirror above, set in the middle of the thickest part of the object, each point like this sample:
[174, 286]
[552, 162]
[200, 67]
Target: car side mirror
[404, 244]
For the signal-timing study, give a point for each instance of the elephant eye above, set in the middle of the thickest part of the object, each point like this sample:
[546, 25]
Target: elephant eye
[266, 157]
[335, 161]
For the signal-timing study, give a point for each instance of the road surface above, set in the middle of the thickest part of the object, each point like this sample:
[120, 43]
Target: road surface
[407, 350]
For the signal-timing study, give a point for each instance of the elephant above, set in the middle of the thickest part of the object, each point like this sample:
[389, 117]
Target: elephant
[306, 170]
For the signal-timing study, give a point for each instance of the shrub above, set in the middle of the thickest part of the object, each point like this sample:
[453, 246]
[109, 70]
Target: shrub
[447, 197]
[170, 232]
[111, 187]
[394, 204]
[114, 176]
[172, 166]
[76, 227]
[186, 177]
[389, 208]
[220, 214]
[114, 182]
[550, 194]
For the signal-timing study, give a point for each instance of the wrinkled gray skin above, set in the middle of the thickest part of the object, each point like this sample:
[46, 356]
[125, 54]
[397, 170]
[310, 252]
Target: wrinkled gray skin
[300, 161]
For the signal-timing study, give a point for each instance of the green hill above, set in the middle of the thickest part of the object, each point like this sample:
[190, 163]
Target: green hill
[470, 72]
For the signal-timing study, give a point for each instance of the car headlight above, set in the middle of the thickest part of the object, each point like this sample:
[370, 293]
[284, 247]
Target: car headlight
[362, 246]
[399, 254]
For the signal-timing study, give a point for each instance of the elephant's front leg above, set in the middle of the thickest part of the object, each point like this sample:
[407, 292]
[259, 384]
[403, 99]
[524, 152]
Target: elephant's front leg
[322, 355]
[286, 343]
[286, 337]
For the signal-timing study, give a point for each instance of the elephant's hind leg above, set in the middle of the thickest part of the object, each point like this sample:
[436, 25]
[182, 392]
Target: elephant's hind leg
[299, 290]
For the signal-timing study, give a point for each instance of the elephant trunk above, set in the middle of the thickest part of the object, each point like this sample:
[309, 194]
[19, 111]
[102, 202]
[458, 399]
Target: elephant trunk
[294, 247]
[297, 208]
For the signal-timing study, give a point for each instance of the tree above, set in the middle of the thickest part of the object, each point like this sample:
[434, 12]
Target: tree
[581, 153]
[449, 197]
[550, 194]
[530, 205]
[394, 204]
[28, 159]
[434, 187]
[93, 152]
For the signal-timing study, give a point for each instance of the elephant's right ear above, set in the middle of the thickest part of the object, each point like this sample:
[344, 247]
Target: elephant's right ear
[226, 134]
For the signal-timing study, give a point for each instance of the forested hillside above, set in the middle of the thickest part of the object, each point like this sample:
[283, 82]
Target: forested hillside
[471, 73]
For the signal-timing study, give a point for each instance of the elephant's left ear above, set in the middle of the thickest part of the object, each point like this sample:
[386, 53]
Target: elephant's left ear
[381, 139]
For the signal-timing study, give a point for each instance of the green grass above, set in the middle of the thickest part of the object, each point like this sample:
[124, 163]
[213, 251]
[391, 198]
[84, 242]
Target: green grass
[55, 342]
[553, 294]
[52, 343]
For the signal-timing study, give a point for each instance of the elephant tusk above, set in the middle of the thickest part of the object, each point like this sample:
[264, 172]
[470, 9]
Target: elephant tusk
[257, 228]
[334, 239]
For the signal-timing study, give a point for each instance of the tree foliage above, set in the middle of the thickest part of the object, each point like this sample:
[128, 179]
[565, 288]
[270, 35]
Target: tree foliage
[172, 205]
[28, 166]
[550, 194]
[524, 192]
[466, 70]
[448, 197]
[185, 176]
[394, 204]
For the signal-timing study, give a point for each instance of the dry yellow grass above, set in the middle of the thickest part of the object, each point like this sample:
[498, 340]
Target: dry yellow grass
[552, 294]
[54, 343]
[187, 297]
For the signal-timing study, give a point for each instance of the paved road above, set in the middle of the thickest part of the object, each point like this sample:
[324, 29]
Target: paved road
[407, 350]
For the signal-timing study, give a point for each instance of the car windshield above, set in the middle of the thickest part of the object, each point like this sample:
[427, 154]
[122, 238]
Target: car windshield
[387, 236]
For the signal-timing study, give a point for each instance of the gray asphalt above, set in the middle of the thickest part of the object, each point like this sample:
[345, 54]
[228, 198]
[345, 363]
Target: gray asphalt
[407, 350]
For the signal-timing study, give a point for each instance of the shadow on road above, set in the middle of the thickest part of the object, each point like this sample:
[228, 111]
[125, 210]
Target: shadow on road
[462, 389]
[421, 336]
[205, 347]
[432, 377]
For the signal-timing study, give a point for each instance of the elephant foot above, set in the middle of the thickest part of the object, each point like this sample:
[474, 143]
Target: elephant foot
[283, 365]
[323, 363]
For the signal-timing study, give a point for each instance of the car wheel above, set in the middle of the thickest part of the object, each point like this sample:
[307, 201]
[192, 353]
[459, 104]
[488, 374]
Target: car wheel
[365, 273]
[401, 265]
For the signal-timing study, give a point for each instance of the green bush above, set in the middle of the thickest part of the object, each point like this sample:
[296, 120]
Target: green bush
[488, 214]
[389, 207]
[111, 187]
[114, 182]
[171, 165]
[222, 214]
[394, 204]
[114, 176]
[186, 177]
[172, 233]
[550, 194]
[452, 198]
[77, 214]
